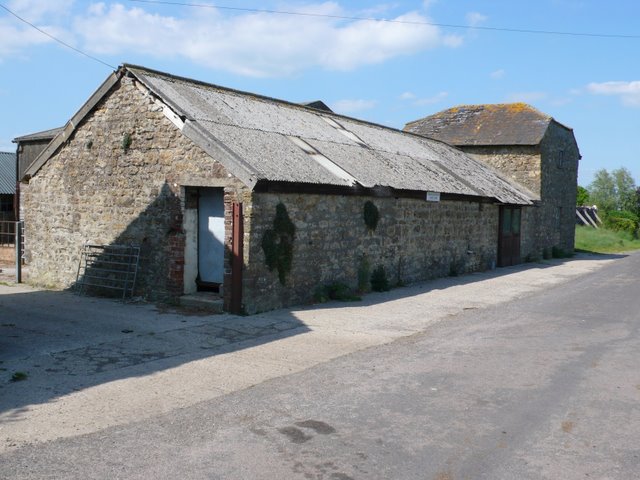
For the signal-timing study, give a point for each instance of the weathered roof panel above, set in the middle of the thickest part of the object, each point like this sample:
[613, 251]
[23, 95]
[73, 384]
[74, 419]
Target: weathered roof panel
[484, 178]
[7, 173]
[257, 128]
[273, 156]
[477, 125]
[262, 139]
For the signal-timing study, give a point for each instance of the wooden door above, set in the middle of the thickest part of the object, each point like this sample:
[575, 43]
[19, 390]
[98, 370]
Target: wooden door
[509, 236]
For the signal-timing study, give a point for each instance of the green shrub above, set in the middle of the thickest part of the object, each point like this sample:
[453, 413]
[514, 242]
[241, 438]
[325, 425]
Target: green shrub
[335, 291]
[371, 215]
[532, 257]
[19, 376]
[547, 253]
[457, 267]
[379, 281]
[277, 243]
[126, 142]
[364, 274]
[622, 221]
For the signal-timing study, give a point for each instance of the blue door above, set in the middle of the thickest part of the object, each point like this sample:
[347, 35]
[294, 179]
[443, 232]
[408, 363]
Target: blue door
[211, 235]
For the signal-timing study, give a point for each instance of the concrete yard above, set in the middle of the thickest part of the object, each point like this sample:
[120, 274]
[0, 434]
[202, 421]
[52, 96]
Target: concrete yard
[95, 363]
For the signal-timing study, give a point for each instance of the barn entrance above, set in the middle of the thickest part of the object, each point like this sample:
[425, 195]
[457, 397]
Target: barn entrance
[509, 236]
[210, 239]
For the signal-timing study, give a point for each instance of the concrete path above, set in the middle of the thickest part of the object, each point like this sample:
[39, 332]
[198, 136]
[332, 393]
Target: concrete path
[94, 363]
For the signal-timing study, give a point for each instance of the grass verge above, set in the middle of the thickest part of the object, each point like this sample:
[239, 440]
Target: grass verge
[604, 241]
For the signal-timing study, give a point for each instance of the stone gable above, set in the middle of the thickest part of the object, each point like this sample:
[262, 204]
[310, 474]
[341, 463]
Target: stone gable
[117, 180]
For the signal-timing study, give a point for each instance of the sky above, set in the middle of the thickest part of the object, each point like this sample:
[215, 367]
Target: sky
[427, 56]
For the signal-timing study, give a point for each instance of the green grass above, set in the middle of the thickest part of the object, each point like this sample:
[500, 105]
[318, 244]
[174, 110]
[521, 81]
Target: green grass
[19, 376]
[604, 241]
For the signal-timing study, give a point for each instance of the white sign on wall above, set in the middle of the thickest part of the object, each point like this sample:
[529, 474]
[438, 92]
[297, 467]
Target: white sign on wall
[433, 196]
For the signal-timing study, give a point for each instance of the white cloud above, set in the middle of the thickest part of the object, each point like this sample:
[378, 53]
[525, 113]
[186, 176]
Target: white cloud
[629, 92]
[14, 38]
[257, 44]
[412, 97]
[377, 10]
[526, 97]
[38, 10]
[474, 18]
[17, 37]
[252, 43]
[431, 100]
[351, 106]
[497, 74]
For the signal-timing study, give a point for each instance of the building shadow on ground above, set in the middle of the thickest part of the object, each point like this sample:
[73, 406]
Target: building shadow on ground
[65, 343]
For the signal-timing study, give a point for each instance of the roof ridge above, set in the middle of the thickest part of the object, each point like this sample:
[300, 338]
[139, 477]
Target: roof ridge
[259, 96]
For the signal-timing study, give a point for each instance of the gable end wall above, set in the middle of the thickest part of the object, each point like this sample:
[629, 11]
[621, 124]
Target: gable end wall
[92, 190]
[560, 159]
[549, 170]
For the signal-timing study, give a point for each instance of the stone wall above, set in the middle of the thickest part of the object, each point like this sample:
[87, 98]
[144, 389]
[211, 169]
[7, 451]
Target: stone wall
[96, 190]
[550, 171]
[414, 240]
[560, 158]
[519, 163]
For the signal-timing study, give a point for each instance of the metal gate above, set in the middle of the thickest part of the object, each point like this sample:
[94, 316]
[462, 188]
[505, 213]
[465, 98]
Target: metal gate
[12, 245]
[104, 268]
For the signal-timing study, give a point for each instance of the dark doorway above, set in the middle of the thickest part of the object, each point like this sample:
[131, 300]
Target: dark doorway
[509, 236]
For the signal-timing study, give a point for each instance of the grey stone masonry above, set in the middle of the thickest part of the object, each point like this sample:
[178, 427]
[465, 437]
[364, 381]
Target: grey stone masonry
[550, 171]
[414, 240]
[119, 179]
[127, 175]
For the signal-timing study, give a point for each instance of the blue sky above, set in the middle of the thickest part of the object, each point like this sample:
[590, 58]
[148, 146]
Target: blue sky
[385, 72]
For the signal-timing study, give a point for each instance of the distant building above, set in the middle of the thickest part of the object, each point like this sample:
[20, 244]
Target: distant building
[7, 185]
[530, 148]
[32, 145]
[29, 147]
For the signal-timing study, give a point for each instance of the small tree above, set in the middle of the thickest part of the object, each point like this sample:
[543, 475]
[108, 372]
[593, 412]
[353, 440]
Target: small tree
[625, 189]
[583, 196]
[614, 191]
[602, 191]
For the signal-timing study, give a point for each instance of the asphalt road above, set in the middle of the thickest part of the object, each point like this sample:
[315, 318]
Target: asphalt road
[543, 387]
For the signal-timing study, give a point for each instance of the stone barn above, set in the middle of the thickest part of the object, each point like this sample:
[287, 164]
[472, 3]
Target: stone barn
[260, 199]
[529, 147]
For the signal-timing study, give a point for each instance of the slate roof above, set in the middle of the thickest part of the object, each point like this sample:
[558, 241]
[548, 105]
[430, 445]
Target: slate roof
[476, 125]
[260, 139]
[7, 173]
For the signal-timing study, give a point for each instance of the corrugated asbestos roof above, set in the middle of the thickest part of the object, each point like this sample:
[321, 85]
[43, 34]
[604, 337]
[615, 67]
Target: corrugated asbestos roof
[260, 139]
[258, 135]
[476, 125]
[7, 173]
